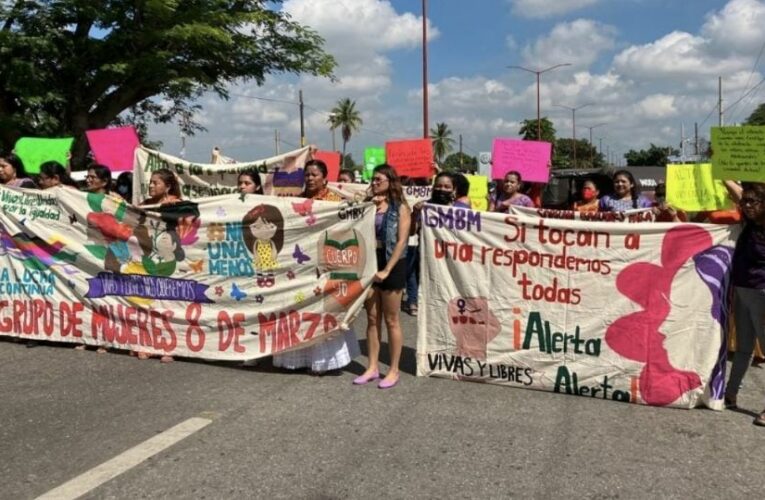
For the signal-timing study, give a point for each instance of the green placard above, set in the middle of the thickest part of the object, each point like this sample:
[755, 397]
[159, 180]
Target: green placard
[34, 151]
[738, 153]
[692, 188]
[372, 157]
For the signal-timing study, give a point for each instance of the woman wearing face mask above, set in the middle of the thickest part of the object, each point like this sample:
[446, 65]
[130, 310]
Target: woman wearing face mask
[589, 197]
[626, 195]
[124, 186]
[509, 193]
[339, 350]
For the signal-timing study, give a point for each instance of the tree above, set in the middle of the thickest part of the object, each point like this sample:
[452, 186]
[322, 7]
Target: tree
[586, 154]
[68, 66]
[460, 162]
[528, 130]
[757, 117]
[653, 156]
[442, 141]
[345, 116]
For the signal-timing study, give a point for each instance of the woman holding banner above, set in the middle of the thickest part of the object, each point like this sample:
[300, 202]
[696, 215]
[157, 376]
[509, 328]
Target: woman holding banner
[392, 221]
[588, 197]
[98, 179]
[509, 193]
[626, 194]
[163, 188]
[748, 282]
[339, 350]
[53, 174]
[12, 173]
[249, 182]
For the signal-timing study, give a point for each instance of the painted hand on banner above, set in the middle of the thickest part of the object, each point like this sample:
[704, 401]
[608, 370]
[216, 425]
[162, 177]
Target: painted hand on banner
[637, 336]
[473, 325]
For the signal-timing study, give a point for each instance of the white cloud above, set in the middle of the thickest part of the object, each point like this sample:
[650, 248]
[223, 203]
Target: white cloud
[657, 106]
[548, 8]
[737, 27]
[578, 43]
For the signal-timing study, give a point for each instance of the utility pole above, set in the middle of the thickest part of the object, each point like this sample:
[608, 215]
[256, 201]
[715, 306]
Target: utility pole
[539, 72]
[719, 98]
[592, 147]
[573, 122]
[302, 124]
[696, 139]
[600, 146]
[183, 146]
[276, 141]
[425, 131]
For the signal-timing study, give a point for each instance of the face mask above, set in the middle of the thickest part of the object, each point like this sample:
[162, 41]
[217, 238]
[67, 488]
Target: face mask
[588, 194]
[441, 197]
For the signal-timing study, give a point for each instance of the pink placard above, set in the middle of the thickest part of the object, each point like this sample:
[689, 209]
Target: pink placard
[413, 158]
[114, 147]
[332, 160]
[530, 158]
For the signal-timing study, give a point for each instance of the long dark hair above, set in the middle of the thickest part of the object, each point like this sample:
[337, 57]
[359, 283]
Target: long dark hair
[755, 188]
[17, 165]
[170, 180]
[104, 174]
[395, 191]
[634, 190]
[55, 169]
[254, 175]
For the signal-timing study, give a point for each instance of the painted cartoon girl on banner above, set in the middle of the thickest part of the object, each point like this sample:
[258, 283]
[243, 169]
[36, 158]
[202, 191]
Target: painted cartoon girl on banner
[263, 234]
[342, 254]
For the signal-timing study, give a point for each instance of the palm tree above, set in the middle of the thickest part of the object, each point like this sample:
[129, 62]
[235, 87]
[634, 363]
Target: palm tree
[442, 141]
[345, 116]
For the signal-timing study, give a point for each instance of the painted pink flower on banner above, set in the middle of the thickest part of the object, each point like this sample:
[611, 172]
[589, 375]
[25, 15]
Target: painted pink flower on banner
[637, 336]
[473, 325]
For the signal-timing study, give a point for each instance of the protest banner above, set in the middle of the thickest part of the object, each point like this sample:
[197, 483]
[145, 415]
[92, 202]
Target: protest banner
[738, 153]
[631, 216]
[372, 157]
[281, 175]
[34, 151]
[411, 158]
[231, 277]
[357, 192]
[530, 158]
[114, 147]
[332, 160]
[693, 189]
[615, 311]
[479, 192]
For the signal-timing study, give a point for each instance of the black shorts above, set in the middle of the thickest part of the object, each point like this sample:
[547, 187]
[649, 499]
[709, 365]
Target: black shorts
[396, 280]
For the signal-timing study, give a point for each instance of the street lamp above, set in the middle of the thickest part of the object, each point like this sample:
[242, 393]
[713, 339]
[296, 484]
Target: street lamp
[592, 163]
[332, 128]
[539, 72]
[573, 122]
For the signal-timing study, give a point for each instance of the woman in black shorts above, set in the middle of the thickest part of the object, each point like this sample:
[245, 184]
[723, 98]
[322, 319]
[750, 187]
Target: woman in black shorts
[392, 221]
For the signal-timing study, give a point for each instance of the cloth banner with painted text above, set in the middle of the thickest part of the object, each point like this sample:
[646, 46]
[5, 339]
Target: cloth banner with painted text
[608, 310]
[281, 175]
[231, 277]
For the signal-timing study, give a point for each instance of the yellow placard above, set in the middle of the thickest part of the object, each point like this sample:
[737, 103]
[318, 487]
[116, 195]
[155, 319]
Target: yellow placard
[479, 192]
[738, 153]
[693, 189]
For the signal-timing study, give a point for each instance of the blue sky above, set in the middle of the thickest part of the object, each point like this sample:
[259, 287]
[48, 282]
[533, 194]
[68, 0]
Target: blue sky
[647, 66]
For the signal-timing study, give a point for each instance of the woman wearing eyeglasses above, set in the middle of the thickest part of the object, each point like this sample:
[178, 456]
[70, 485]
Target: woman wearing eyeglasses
[392, 221]
[98, 179]
[748, 282]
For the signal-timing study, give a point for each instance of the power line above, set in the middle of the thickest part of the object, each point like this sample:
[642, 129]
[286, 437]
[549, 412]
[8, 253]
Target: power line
[751, 74]
[265, 99]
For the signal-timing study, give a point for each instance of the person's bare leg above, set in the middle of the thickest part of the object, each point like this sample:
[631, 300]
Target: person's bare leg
[374, 333]
[391, 306]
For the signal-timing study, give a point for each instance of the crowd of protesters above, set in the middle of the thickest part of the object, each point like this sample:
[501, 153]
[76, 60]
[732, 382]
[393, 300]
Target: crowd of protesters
[397, 234]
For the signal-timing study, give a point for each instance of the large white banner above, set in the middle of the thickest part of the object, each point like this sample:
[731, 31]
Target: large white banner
[229, 277]
[607, 310]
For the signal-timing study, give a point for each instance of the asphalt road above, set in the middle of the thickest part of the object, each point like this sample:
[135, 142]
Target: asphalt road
[292, 435]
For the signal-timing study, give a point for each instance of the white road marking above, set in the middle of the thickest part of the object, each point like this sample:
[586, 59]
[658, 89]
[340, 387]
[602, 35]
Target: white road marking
[125, 461]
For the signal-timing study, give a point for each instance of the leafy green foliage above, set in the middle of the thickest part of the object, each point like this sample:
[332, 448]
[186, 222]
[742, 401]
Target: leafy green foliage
[757, 117]
[442, 141]
[345, 116]
[653, 156]
[71, 65]
[460, 162]
[528, 130]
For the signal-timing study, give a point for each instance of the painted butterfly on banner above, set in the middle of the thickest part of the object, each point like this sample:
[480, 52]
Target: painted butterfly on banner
[236, 293]
[299, 256]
